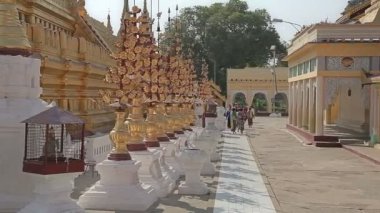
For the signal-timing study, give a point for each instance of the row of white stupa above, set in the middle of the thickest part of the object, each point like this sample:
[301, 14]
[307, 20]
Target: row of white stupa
[124, 185]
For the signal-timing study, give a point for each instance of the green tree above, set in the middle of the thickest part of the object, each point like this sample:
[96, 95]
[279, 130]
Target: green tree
[226, 35]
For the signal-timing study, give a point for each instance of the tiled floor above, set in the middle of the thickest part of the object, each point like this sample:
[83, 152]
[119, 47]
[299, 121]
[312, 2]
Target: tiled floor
[241, 188]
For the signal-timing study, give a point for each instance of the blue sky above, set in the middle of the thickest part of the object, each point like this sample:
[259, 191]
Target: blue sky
[302, 12]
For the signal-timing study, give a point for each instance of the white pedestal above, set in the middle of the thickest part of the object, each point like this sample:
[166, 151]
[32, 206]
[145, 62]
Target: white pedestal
[220, 121]
[167, 171]
[151, 173]
[192, 160]
[215, 156]
[119, 189]
[275, 115]
[171, 159]
[207, 143]
[167, 162]
[53, 195]
[19, 99]
[210, 123]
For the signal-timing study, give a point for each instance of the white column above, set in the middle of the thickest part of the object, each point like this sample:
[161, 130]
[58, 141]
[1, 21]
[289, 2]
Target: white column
[290, 103]
[311, 106]
[376, 109]
[319, 107]
[299, 104]
[304, 106]
[294, 110]
[372, 115]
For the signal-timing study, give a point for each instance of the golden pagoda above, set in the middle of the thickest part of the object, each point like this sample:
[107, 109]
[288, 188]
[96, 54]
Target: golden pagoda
[74, 50]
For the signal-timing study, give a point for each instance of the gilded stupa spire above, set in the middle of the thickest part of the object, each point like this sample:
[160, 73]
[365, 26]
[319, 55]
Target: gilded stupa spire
[109, 26]
[13, 39]
[124, 15]
[125, 10]
[145, 9]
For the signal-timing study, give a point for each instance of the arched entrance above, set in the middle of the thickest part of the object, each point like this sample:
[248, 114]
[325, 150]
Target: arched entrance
[281, 103]
[260, 102]
[240, 99]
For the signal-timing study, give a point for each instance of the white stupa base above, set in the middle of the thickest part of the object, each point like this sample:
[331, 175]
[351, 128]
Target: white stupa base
[151, 173]
[53, 195]
[208, 169]
[119, 189]
[192, 188]
[19, 99]
[192, 160]
[215, 156]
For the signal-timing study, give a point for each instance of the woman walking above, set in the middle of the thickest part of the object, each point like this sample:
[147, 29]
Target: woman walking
[234, 117]
[251, 116]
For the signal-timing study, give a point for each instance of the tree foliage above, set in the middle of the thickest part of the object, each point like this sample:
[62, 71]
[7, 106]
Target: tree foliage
[226, 35]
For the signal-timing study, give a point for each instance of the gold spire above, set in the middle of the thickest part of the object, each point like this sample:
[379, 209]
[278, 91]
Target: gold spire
[125, 10]
[13, 40]
[145, 10]
[124, 15]
[109, 26]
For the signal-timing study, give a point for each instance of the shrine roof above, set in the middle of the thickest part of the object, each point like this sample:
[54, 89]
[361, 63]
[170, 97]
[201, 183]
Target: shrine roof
[54, 115]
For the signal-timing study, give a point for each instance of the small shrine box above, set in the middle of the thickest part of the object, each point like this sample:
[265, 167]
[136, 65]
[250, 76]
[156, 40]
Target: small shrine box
[54, 143]
[210, 111]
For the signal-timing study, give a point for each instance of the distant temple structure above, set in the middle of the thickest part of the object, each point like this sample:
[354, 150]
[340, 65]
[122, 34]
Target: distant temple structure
[255, 86]
[333, 74]
[75, 52]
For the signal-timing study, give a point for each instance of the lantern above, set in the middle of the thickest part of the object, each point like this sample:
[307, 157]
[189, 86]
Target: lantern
[54, 143]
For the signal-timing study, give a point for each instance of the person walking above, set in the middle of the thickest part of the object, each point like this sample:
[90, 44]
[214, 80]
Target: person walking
[228, 116]
[234, 117]
[242, 117]
[250, 116]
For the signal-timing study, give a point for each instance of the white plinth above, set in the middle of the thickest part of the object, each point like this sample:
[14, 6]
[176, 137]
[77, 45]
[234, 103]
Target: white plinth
[220, 123]
[119, 189]
[275, 115]
[53, 195]
[171, 159]
[192, 160]
[19, 99]
[208, 144]
[215, 156]
[151, 173]
[210, 123]
[166, 160]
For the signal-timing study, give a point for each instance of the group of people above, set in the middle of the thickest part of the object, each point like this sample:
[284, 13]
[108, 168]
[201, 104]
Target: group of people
[237, 116]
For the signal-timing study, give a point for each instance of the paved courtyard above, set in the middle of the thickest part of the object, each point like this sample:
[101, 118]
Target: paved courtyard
[308, 179]
[270, 170]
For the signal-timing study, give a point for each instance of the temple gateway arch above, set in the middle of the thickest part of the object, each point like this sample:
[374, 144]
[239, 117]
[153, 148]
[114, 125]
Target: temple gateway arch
[254, 86]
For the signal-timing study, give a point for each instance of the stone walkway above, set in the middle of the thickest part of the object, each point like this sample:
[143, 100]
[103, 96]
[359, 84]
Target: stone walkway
[241, 188]
[308, 179]
[238, 187]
